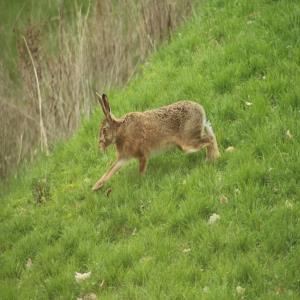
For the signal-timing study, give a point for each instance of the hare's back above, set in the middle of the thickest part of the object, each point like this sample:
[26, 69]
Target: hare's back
[160, 128]
[173, 117]
[177, 114]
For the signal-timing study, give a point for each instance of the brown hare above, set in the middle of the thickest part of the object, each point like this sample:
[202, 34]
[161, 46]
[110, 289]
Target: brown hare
[139, 134]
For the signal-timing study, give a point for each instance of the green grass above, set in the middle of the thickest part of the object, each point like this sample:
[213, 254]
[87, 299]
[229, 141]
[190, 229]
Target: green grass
[133, 242]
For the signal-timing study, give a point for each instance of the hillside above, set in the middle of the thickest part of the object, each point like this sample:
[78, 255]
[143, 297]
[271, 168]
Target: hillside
[150, 238]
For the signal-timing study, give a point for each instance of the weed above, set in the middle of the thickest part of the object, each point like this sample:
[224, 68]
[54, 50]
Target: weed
[41, 190]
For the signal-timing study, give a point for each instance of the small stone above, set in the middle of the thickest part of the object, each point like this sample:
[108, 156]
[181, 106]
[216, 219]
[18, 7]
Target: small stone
[82, 276]
[213, 219]
[29, 263]
[240, 290]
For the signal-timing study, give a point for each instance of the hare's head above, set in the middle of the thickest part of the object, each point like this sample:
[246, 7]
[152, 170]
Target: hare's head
[107, 130]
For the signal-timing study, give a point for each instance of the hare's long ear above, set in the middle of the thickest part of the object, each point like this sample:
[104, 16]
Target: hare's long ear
[100, 102]
[105, 102]
[105, 106]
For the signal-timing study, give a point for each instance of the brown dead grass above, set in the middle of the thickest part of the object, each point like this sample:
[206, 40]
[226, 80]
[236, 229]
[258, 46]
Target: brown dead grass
[102, 48]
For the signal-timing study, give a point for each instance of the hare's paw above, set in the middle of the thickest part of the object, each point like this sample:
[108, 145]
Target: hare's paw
[98, 185]
[212, 156]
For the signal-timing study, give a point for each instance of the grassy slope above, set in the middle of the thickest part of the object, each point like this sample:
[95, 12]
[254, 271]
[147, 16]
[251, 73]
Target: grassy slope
[228, 54]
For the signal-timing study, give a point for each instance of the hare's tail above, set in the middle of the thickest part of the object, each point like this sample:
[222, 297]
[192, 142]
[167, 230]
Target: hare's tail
[213, 151]
[209, 129]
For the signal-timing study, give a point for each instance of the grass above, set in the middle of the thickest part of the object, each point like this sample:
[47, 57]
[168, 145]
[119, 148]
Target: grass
[150, 239]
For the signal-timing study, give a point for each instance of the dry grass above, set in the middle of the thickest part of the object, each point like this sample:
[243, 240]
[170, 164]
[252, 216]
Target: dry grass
[101, 47]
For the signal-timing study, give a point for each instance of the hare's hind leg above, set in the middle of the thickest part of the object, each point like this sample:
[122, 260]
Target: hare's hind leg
[212, 152]
[191, 147]
[117, 165]
[207, 142]
[143, 164]
[212, 149]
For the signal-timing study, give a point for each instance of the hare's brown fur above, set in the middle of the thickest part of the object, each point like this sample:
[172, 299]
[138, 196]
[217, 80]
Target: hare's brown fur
[139, 134]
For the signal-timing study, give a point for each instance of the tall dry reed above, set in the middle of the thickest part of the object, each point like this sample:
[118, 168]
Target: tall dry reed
[102, 45]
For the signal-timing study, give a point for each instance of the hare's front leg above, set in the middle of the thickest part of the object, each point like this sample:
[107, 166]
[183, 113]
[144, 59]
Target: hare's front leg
[143, 164]
[117, 165]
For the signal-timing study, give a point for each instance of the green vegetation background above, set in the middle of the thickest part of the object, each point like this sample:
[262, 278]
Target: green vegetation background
[150, 239]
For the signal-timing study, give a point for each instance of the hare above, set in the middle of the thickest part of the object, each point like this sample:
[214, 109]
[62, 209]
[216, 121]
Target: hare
[139, 134]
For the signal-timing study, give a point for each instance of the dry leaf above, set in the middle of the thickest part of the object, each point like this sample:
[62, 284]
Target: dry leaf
[134, 231]
[279, 290]
[223, 199]
[213, 218]
[146, 259]
[108, 191]
[186, 250]
[102, 283]
[288, 204]
[87, 180]
[288, 134]
[90, 296]
[230, 149]
[82, 276]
